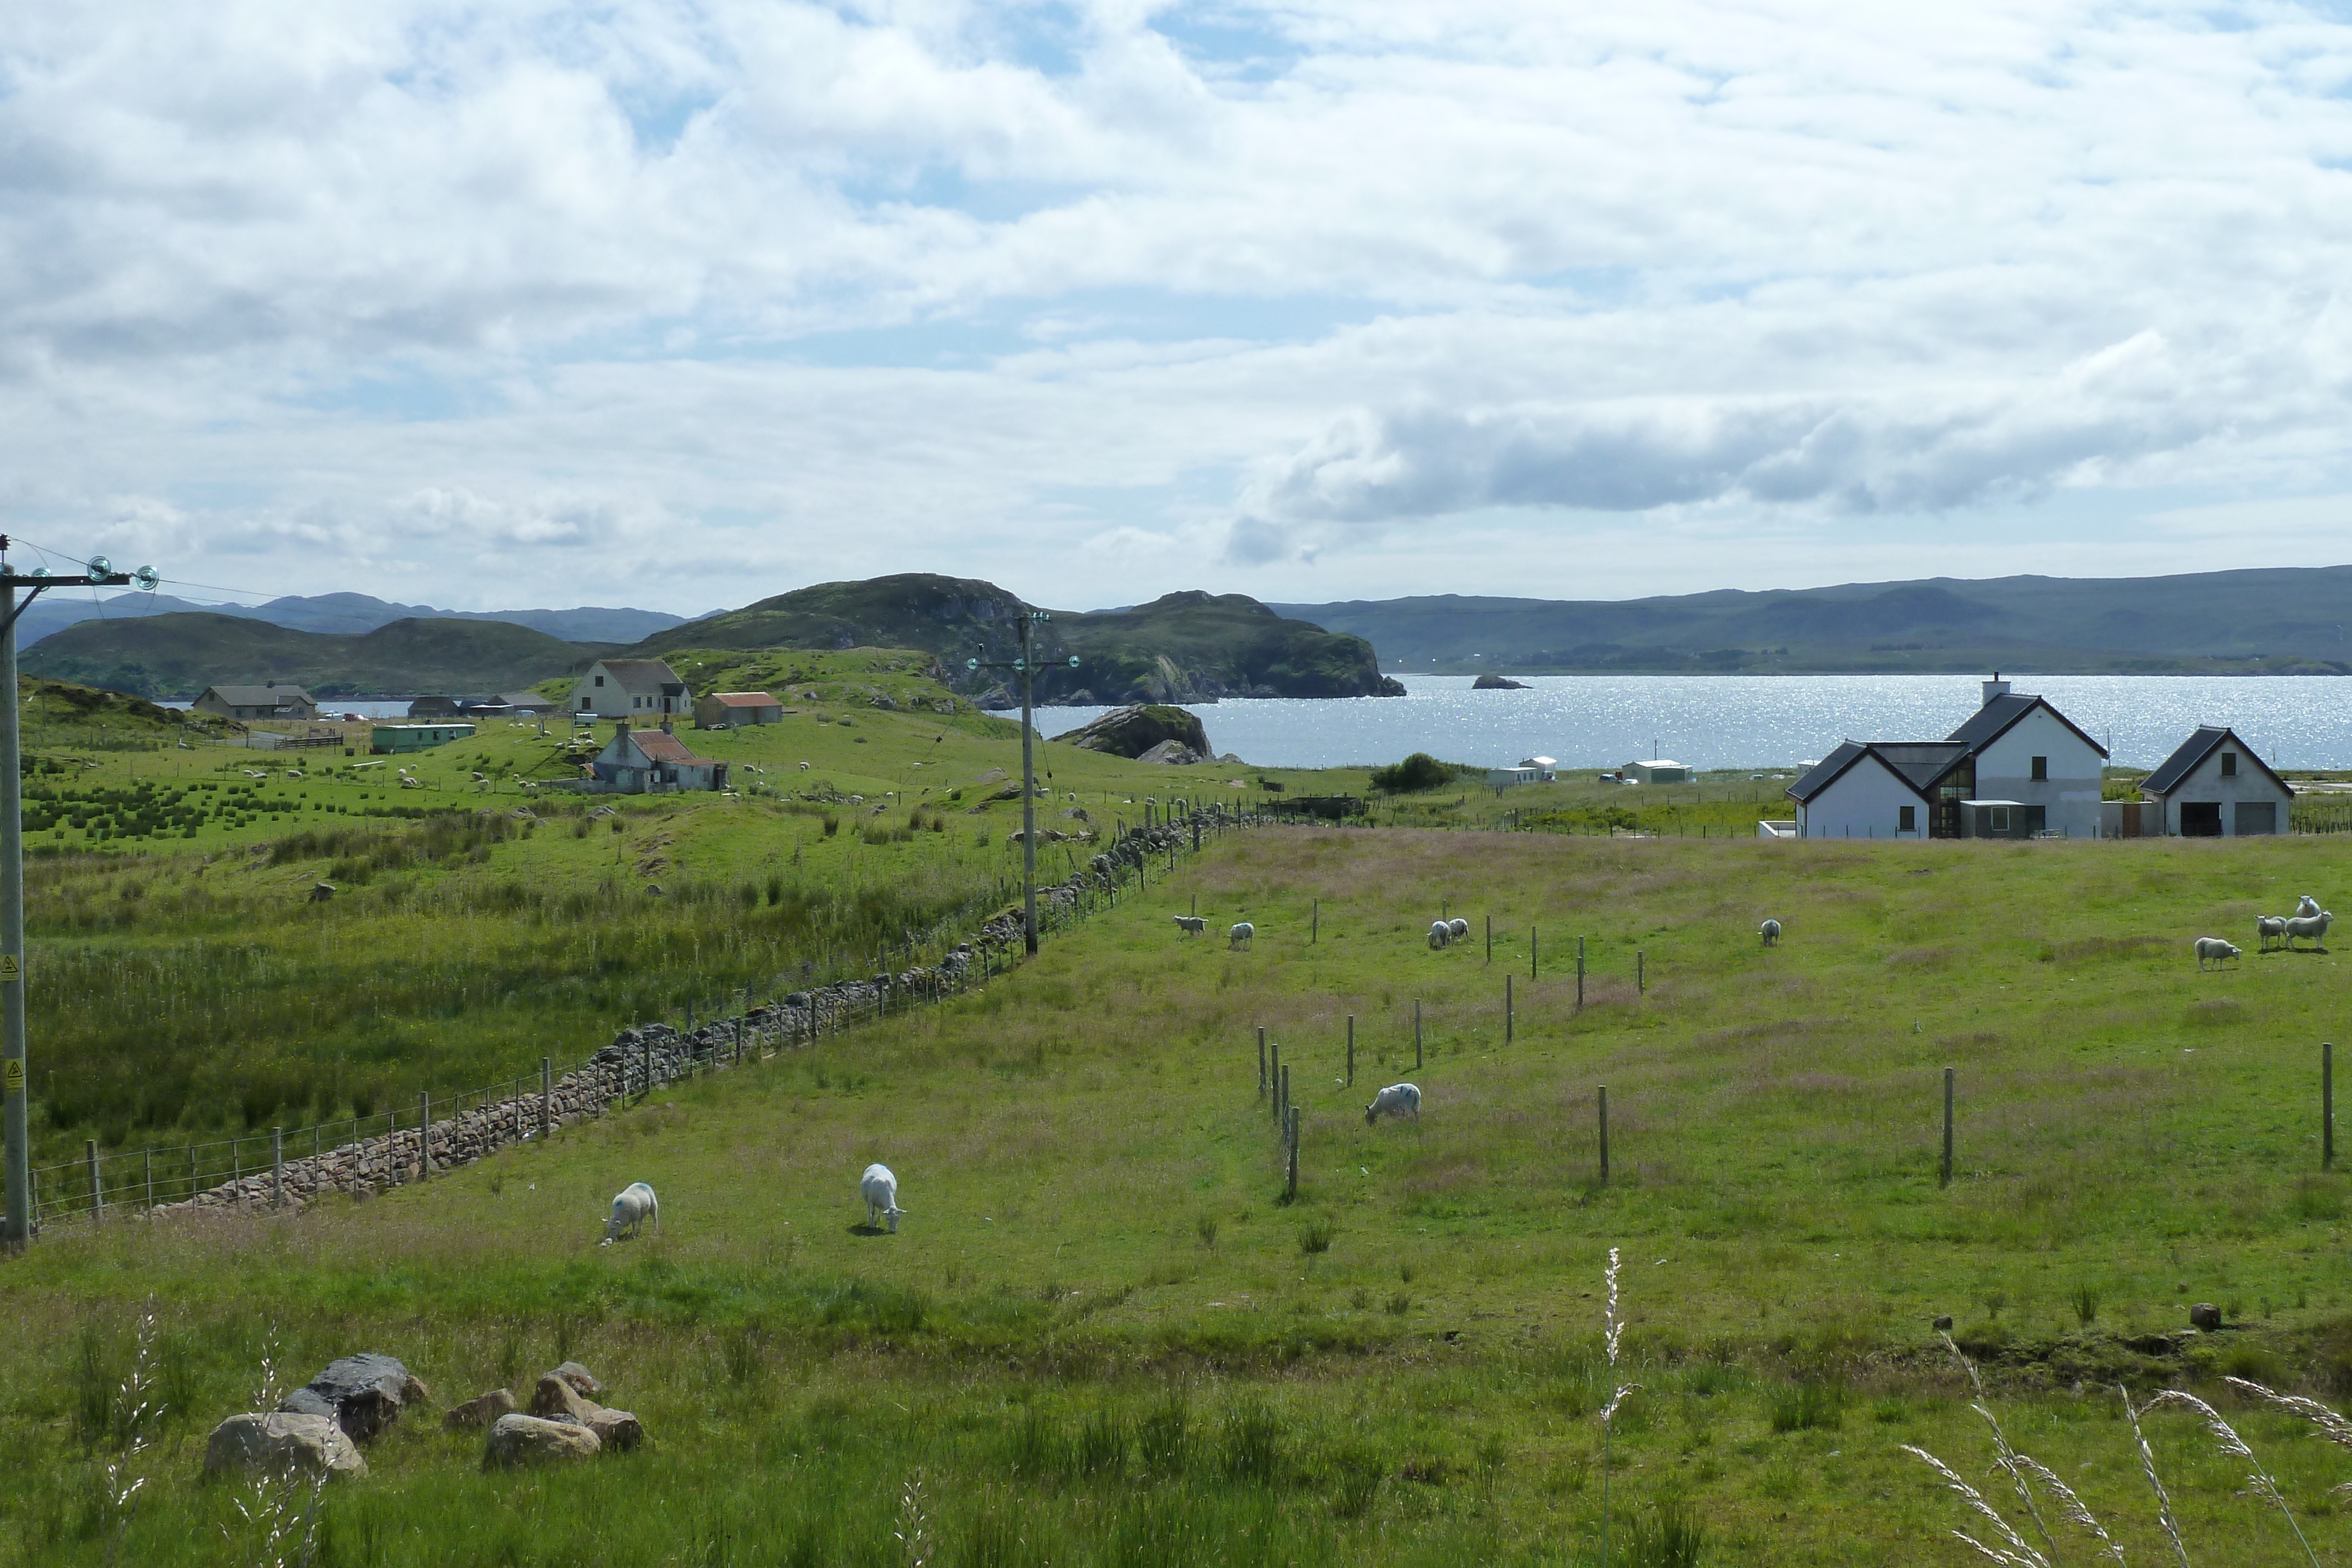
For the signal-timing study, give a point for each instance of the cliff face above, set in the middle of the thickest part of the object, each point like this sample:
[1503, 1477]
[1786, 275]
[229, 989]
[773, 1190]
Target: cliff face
[1182, 647]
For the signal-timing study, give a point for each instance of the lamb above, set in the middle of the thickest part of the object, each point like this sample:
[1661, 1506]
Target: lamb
[2269, 929]
[1192, 924]
[2213, 948]
[1396, 1100]
[1770, 931]
[1440, 934]
[880, 1190]
[1240, 936]
[631, 1206]
[1460, 928]
[2314, 926]
[2309, 907]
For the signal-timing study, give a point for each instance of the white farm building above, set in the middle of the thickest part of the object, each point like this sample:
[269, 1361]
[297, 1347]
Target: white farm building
[2017, 767]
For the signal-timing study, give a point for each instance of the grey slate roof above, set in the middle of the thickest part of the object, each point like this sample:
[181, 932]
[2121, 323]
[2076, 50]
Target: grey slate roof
[2200, 745]
[259, 696]
[1920, 762]
[1825, 772]
[643, 677]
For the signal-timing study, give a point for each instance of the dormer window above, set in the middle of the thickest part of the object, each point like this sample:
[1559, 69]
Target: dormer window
[2229, 765]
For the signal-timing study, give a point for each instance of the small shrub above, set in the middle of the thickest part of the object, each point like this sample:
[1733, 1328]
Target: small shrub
[1667, 1536]
[1102, 1444]
[1806, 1407]
[1250, 1446]
[1417, 772]
[1160, 1437]
[1315, 1237]
[1205, 1228]
[2086, 1304]
[832, 824]
[1399, 1304]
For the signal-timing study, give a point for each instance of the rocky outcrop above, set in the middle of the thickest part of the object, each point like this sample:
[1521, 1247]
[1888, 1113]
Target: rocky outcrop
[1490, 682]
[1138, 731]
[361, 1394]
[274, 1442]
[529, 1440]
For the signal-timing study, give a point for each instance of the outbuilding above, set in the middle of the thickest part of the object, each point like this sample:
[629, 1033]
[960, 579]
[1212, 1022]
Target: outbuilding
[1657, 771]
[269, 700]
[654, 762]
[1509, 778]
[732, 710]
[2215, 786]
[389, 739]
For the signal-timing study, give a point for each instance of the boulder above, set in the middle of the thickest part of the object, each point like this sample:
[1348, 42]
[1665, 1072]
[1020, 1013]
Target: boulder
[1134, 731]
[1493, 683]
[363, 1393]
[280, 1440]
[558, 1399]
[580, 1377]
[529, 1440]
[2205, 1317]
[616, 1429]
[1172, 752]
[479, 1411]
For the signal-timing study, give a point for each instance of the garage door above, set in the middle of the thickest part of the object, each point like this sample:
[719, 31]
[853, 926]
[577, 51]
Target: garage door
[2256, 817]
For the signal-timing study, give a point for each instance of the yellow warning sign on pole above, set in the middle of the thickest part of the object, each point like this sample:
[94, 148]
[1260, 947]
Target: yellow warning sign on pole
[10, 968]
[12, 1082]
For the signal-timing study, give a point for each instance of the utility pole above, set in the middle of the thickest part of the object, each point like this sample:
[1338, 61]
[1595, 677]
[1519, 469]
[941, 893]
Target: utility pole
[1025, 666]
[98, 572]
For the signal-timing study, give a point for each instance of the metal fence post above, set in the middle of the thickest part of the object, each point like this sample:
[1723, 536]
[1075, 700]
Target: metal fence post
[1290, 1188]
[151, 1178]
[1261, 1061]
[1416, 1034]
[1604, 1134]
[1579, 973]
[1351, 1050]
[546, 1096]
[1510, 1011]
[2327, 1106]
[277, 1167]
[1946, 1180]
[97, 1194]
[425, 1135]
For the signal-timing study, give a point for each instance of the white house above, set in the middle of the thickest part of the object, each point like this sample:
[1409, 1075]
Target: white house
[630, 689]
[272, 699]
[654, 762]
[2216, 787]
[2017, 767]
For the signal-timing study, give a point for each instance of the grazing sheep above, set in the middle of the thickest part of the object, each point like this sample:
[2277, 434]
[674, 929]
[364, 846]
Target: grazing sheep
[1240, 936]
[2269, 929]
[1771, 932]
[2314, 926]
[1396, 1100]
[880, 1190]
[1440, 934]
[2213, 948]
[1460, 928]
[632, 1206]
[2307, 908]
[1192, 924]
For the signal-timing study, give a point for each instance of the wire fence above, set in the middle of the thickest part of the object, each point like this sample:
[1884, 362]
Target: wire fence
[408, 1143]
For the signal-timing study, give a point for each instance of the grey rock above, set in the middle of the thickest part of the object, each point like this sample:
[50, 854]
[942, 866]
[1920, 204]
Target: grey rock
[529, 1440]
[581, 1378]
[1944, 1325]
[279, 1440]
[479, 1411]
[2205, 1317]
[363, 1393]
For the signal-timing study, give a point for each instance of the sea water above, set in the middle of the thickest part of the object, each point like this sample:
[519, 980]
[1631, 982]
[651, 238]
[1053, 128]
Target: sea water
[1758, 721]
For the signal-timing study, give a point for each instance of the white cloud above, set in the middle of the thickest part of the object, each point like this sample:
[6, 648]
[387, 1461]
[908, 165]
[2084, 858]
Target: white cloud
[689, 301]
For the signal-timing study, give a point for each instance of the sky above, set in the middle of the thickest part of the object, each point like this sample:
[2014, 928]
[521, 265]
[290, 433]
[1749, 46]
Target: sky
[682, 305]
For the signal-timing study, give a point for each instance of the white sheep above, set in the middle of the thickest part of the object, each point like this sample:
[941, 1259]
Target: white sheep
[2314, 926]
[2269, 929]
[1460, 928]
[1192, 924]
[2309, 907]
[880, 1190]
[2213, 948]
[1441, 933]
[1396, 1100]
[1240, 936]
[632, 1205]
[1771, 932]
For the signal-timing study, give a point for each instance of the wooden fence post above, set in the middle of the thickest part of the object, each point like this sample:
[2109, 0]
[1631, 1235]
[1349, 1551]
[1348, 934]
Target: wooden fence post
[1490, 938]
[1314, 922]
[1604, 1134]
[1261, 1061]
[97, 1193]
[1508, 1010]
[2328, 1106]
[1945, 1179]
[1351, 1050]
[277, 1167]
[546, 1096]
[1290, 1186]
[1288, 1110]
[1276, 1084]
[1641, 974]
[151, 1178]
[1531, 952]
[1579, 973]
[1416, 1034]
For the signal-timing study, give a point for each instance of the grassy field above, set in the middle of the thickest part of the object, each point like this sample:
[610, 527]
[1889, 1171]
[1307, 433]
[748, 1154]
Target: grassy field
[1100, 1337]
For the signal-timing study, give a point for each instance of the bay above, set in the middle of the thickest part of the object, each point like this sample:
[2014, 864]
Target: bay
[1757, 721]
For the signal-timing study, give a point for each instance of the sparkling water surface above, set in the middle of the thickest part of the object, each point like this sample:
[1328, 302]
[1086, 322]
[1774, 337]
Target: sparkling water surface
[1758, 721]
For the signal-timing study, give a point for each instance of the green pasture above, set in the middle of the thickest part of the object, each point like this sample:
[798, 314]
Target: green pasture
[1100, 1336]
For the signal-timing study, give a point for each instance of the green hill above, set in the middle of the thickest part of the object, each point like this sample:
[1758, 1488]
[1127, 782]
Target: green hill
[2281, 620]
[1182, 647]
[180, 654]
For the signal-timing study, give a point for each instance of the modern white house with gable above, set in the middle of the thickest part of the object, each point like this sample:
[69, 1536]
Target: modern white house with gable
[2216, 787]
[635, 689]
[2017, 767]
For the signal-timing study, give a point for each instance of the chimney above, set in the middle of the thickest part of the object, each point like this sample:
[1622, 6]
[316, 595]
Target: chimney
[1995, 687]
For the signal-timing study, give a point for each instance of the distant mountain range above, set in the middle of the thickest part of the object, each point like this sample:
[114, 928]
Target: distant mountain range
[350, 614]
[179, 654]
[2274, 621]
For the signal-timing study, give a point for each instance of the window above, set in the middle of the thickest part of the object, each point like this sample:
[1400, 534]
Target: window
[2229, 765]
[600, 680]
[2042, 770]
[1996, 819]
[1906, 820]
